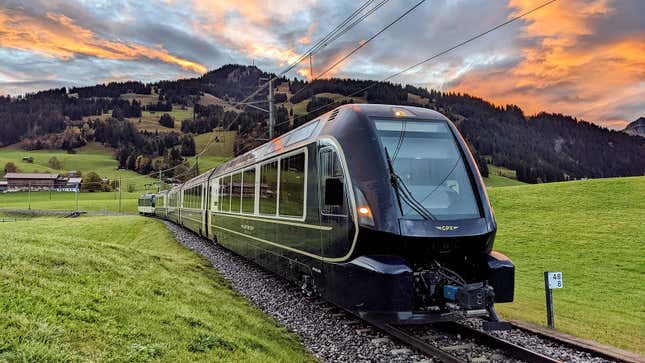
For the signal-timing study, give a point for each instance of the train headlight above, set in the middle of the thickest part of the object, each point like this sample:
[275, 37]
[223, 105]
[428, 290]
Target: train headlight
[364, 212]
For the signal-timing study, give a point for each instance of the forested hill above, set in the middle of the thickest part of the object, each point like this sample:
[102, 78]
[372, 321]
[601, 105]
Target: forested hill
[540, 148]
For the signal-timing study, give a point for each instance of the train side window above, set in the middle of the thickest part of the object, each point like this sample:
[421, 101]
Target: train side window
[225, 194]
[292, 185]
[236, 192]
[332, 183]
[248, 191]
[215, 195]
[268, 188]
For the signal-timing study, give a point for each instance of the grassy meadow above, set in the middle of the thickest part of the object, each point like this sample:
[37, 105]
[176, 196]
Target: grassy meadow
[501, 177]
[98, 201]
[92, 157]
[592, 231]
[122, 289]
[149, 120]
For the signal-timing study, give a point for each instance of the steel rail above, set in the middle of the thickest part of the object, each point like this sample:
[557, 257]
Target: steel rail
[483, 338]
[507, 347]
[414, 342]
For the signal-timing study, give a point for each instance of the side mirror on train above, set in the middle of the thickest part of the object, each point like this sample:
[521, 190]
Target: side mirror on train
[334, 191]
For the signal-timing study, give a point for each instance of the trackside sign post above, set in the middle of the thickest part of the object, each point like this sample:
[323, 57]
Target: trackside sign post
[552, 280]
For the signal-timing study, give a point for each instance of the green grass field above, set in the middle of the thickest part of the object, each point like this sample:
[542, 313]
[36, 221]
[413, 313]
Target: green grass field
[92, 157]
[121, 289]
[150, 120]
[99, 201]
[501, 177]
[222, 145]
[594, 233]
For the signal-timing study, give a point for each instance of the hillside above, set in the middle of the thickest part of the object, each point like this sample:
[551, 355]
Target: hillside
[592, 231]
[92, 157]
[636, 128]
[540, 148]
[122, 289]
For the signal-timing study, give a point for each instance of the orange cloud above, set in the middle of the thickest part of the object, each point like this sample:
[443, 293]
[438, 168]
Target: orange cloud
[562, 70]
[246, 26]
[58, 36]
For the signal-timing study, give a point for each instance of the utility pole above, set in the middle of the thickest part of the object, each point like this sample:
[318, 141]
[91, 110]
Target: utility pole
[29, 196]
[159, 186]
[311, 67]
[271, 119]
[119, 190]
[196, 165]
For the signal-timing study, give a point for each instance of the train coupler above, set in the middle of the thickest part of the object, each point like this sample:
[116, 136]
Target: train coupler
[470, 297]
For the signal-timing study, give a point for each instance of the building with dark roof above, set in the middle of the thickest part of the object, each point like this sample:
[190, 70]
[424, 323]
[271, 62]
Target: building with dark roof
[41, 181]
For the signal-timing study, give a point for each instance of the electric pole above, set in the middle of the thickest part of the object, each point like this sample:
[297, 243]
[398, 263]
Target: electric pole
[271, 119]
[119, 190]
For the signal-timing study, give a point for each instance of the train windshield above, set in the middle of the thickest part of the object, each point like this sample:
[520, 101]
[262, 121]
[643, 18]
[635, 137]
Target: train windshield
[427, 164]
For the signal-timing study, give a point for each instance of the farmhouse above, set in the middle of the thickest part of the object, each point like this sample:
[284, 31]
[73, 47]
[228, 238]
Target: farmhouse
[41, 181]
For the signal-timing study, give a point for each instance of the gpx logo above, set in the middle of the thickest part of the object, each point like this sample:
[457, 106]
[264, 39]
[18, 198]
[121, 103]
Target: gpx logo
[446, 228]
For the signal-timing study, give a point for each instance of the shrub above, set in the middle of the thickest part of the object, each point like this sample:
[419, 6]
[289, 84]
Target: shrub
[11, 168]
[167, 121]
[54, 163]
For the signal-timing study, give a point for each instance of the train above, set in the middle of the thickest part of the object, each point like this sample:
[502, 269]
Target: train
[378, 209]
[146, 204]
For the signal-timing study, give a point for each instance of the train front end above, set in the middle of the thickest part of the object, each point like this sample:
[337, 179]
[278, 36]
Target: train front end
[424, 250]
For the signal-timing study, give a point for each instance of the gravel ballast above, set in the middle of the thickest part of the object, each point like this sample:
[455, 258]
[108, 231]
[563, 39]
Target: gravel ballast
[329, 334]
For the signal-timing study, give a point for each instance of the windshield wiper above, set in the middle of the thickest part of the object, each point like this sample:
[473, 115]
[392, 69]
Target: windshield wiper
[393, 179]
[403, 193]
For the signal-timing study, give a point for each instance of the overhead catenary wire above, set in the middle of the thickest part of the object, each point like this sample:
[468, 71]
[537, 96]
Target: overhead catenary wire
[374, 36]
[434, 56]
[333, 35]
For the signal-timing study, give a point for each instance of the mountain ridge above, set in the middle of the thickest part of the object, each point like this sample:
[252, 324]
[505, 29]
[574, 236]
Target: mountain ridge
[636, 128]
[540, 148]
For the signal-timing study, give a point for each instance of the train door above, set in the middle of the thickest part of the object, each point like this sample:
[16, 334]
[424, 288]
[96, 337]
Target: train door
[213, 201]
[337, 238]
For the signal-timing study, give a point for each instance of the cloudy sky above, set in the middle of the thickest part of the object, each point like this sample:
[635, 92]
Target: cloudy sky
[580, 57]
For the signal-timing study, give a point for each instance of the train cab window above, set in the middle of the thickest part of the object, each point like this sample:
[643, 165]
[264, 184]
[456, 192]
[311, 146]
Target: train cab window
[236, 192]
[225, 194]
[248, 191]
[332, 183]
[268, 188]
[428, 163]
[292, 185]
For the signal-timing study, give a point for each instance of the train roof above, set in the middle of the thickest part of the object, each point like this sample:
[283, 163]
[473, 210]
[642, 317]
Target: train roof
[310, 131]
[313, 129]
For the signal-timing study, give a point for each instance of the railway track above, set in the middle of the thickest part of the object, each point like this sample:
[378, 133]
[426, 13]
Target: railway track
[458, 343]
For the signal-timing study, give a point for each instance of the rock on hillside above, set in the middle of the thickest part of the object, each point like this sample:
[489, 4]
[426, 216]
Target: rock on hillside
[636, 128]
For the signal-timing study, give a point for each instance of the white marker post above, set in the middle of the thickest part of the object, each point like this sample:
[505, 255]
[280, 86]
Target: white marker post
[552, 280]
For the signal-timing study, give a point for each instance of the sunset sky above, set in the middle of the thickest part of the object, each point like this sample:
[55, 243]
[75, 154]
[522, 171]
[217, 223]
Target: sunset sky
[585, 58]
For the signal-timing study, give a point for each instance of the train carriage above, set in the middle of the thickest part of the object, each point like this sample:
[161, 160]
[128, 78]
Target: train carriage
[172, 205]
[146, 204]
[193, 203]
[161, 208]
[379, 209]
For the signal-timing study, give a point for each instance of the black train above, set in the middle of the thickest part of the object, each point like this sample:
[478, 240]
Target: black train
[379, 209]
